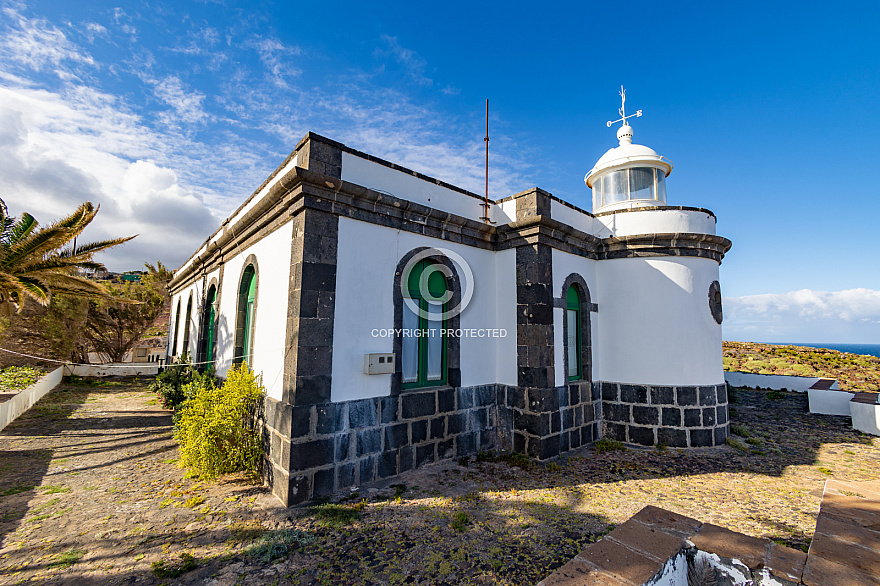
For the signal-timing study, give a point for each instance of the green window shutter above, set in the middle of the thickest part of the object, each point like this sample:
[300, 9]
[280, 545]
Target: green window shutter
[176, 330]
[186, 325]
[210, 319]
[250, 296]
[424, 359]
[573, 337]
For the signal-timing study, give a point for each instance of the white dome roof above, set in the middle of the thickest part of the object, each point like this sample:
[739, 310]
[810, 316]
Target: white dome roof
[628, 155]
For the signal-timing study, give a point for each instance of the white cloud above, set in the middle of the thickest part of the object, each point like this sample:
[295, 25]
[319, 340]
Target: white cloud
[852, 315]
[413, 64]
[277, 57]
[187, 104]
[94, 30]
[57, 153]
[40, 46]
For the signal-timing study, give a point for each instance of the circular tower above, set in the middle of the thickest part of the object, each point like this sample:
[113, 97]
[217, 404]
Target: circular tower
[659, 321]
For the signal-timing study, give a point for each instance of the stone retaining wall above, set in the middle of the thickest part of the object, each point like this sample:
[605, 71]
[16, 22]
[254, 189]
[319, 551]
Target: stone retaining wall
[333, 446]
[548, 422]
[316, 450]
[679, 417]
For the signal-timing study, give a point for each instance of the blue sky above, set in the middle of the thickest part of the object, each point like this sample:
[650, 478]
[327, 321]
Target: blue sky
[170, 114]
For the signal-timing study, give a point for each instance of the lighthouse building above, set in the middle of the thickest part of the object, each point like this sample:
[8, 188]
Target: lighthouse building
[394, 326]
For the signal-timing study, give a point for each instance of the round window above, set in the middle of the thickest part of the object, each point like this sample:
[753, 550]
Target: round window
[715, 301]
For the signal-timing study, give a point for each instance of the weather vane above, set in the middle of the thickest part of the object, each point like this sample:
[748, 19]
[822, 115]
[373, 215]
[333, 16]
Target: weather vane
[622, 111]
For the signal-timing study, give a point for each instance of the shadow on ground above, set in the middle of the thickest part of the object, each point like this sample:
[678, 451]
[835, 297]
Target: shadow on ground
[473, 521]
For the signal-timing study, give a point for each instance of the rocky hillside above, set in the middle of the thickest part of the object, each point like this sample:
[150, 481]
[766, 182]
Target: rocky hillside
[855, 372]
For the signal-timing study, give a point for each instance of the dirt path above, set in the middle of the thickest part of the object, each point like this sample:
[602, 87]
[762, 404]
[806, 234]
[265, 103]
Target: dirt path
[90, 494]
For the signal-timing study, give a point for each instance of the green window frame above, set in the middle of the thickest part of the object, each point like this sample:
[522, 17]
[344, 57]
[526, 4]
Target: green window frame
[176, 330]
[186, 325]
[424, 355]
[247, 296]
[210, 318]
[573, 335]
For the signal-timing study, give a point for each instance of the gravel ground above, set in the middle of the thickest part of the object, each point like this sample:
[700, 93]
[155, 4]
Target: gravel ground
[90, 493]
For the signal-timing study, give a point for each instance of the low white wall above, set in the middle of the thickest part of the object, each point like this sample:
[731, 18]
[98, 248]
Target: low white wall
[562, 213]
[824, 402]
[658, 222]
[776, 382]
[379, 177]
[865, 417]
[101, 370]
[23, 401]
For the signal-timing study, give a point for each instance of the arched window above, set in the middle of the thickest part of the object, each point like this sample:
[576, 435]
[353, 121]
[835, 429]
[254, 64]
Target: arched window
[423, 344]
[175, 330]
[207, 330]
[186, 325]
[244, 319]
[573, 334]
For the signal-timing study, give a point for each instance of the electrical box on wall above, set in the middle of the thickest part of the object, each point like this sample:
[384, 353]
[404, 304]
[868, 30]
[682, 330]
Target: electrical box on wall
[379, 363]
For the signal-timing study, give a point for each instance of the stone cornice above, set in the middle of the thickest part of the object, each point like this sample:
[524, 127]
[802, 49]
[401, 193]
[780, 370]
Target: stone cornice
[301, 188]
[668, 244]
[544, 230]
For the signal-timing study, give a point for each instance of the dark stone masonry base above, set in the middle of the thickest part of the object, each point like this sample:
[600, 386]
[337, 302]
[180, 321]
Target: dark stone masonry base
[678, 417]
[316, 450]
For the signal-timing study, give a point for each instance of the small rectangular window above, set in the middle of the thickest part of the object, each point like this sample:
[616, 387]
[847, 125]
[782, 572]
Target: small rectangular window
[572, 343]
[410, 349]
[435, 342]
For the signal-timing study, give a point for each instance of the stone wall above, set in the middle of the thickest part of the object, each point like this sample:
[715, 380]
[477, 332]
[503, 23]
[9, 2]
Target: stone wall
[332, 446]
[679, 417]
[548, 422]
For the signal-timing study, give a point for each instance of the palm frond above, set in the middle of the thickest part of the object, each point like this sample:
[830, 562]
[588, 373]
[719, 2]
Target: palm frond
[36, 289]
[93, 247]
[35, 246]
[24, 226]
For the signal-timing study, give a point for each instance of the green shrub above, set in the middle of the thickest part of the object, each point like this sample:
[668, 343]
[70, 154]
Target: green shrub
[217, 427]
[169, 384]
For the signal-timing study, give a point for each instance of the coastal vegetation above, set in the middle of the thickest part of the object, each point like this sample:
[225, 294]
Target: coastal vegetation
[854, 372]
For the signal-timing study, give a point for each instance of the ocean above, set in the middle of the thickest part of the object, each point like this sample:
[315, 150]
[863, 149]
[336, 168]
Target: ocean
[869, 349]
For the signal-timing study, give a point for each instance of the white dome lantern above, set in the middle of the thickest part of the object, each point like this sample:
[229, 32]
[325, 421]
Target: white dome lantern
[629, 175]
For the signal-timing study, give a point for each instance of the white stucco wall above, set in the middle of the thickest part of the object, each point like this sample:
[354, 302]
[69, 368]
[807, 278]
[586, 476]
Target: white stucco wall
[575, 219]
[270, 321]
[865, 417]
[564, 264]
[505, 317]
[364, 302]
[24, 400]
[654, 322]
[659, 222]
[777, 382]
[825, 402]
[381, 178]
[504, 212]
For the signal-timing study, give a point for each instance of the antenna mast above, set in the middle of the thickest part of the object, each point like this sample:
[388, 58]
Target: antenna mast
[485, 204]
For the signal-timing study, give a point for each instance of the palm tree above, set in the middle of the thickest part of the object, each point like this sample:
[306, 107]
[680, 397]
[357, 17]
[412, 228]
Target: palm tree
[35, 263]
